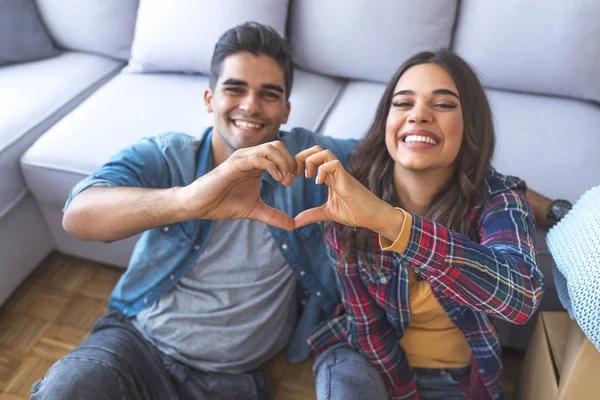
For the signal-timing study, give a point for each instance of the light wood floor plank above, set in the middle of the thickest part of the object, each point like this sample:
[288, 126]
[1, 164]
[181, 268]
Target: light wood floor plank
[30, 370]
[9, 362]
[57, 341]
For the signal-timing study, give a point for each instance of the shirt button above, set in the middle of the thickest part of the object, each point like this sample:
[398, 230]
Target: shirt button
[166, 229]
[196, 247]
[172, 277]
[481, 371]
[318, 294]
[125, 311]
[145, 300]
[302, 273]
[284, 246]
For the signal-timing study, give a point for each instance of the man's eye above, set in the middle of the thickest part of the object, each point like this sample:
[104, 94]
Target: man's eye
[234, 90]
[401, 104]
[271, 95]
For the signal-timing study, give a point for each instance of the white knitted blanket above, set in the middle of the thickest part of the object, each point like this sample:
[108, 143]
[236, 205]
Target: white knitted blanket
[574, 243]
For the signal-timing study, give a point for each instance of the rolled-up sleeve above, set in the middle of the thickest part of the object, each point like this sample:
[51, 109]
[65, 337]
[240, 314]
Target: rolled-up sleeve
[141, 165]
[500, 275]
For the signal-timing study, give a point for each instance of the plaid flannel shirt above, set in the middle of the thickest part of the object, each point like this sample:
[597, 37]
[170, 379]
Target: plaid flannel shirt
[498, 275]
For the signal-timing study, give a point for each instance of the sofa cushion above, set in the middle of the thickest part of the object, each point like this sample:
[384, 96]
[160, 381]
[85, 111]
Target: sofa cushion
[180, 35]
[366, 39]
[353, 112]
[132, 106]
[552, 143]
[23, 36]
[538, 46]
[96, 26]
[33, 97]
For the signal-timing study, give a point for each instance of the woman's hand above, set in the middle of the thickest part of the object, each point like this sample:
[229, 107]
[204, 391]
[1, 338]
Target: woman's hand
[349, 202]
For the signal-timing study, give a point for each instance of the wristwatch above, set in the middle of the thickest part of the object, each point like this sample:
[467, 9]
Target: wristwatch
[558, 209]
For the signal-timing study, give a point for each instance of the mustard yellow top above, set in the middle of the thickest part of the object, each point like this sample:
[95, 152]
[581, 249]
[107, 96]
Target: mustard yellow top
[431, 339]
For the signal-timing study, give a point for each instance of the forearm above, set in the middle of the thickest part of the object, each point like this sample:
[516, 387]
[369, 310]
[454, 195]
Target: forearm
[501, 279]
[390, 222]
[107, 213]
[539, 205]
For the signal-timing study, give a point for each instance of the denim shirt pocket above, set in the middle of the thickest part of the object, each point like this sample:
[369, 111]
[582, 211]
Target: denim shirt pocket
[311, 230]
[312, 238]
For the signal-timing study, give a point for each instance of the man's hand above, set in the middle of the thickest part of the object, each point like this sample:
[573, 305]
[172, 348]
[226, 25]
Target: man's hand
[232, 190]
[349, 202]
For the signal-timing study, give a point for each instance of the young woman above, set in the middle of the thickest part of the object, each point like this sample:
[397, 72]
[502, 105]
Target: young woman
[429, 240]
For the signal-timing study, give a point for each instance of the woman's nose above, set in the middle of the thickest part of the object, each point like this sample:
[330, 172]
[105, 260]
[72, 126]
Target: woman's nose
[420, 115]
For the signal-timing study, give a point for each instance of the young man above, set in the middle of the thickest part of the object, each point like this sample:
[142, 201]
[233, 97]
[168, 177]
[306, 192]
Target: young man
[211, 289]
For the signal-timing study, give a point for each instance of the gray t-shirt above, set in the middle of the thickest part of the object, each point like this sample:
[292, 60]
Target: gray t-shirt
[234, 309]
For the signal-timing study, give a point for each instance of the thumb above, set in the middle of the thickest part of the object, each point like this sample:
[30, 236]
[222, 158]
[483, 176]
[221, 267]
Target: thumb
[310, 216]
[273, 217]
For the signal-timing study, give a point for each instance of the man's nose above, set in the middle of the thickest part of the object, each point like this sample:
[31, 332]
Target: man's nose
[250, 104]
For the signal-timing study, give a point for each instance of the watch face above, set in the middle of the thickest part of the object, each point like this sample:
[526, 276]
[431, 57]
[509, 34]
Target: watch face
[558, 209]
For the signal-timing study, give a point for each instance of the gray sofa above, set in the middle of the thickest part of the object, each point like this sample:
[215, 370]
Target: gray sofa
[62, 117]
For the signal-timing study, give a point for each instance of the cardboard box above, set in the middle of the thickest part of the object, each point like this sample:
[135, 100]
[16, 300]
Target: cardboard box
[561, 363]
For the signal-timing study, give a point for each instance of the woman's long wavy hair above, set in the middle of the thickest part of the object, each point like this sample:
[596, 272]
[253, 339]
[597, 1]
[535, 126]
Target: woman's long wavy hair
[374, 168]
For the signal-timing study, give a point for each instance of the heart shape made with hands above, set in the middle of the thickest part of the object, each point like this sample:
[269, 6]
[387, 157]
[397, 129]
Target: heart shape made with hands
[348, 201]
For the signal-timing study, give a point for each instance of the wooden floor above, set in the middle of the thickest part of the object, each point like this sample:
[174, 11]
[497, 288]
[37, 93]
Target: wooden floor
[55, 308]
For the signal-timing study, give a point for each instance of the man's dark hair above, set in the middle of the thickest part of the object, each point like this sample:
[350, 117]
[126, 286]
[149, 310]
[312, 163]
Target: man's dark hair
[257, 39]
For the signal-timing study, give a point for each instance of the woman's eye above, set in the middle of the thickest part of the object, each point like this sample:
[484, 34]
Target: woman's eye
[401, 104]
[446, 105]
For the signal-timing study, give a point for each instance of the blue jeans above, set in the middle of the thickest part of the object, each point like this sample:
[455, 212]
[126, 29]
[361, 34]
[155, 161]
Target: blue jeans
[440, 384]
[116, 362]
[342, 373]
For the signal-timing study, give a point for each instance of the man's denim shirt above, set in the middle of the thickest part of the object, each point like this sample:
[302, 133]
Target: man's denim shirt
[164, 254]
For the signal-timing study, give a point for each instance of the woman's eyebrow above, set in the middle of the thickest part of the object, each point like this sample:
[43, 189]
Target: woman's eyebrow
[405, 92]
[437, 91]
[446, 91]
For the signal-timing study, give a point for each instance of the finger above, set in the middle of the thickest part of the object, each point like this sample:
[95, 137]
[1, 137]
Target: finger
[288, 156]
[314, 161]
[264, 164]
[254, 158]
[310, 216]
[329, 172]
[302, 156]
[282, 158]
[273, 217]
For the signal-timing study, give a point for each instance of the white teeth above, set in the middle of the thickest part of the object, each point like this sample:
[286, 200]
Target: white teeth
[246, 125]
[422, 139]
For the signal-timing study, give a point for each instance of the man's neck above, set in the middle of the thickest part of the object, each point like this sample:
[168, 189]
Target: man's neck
[220, 150]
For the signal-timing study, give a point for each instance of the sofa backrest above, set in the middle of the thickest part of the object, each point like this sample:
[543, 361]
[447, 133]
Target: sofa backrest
[365, 39]
[538, 46]
[96, 26]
